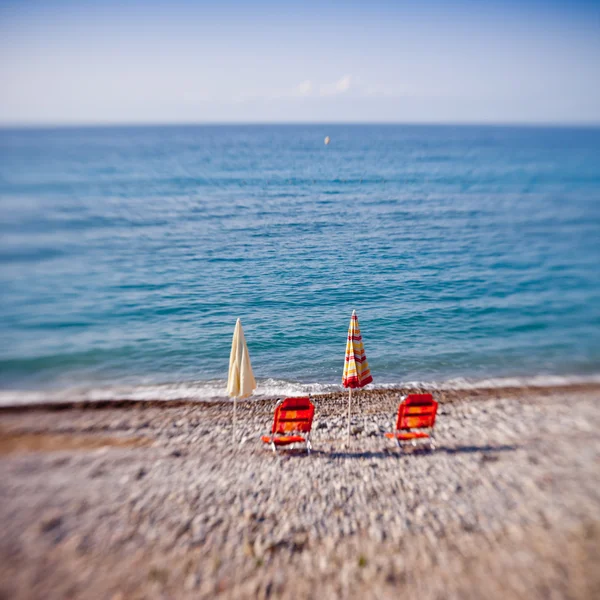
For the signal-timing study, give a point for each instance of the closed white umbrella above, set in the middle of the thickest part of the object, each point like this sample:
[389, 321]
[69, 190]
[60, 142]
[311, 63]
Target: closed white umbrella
[241, 382]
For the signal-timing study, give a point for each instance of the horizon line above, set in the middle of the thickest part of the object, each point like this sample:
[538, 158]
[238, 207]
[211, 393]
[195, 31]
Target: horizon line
[166, 124]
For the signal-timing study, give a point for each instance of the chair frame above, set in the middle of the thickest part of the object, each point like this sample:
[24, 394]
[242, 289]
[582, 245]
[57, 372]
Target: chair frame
[307, 434]
[429, 431]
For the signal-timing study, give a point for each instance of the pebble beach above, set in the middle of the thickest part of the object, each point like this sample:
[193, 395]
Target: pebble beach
[154, 500]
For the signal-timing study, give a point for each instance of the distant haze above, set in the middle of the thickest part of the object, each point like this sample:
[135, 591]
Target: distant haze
[267, 61]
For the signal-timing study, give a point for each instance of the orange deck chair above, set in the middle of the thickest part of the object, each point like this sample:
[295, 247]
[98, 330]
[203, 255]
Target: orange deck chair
[292, 415]
[416, 411]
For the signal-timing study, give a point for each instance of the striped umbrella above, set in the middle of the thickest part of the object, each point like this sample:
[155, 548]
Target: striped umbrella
[356, 368]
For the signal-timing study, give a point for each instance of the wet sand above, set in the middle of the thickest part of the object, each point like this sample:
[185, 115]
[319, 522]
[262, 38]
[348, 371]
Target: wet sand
[152, 500]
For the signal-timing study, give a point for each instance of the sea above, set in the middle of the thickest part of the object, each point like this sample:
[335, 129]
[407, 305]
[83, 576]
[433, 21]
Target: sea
[470, 253]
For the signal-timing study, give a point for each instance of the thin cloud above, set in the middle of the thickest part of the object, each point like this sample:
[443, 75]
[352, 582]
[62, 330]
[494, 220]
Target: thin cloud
[303, 89]
[346, 85]
[340, 86]
[391, 91]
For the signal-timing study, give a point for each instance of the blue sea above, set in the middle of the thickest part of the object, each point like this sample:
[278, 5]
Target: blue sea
[471, 254]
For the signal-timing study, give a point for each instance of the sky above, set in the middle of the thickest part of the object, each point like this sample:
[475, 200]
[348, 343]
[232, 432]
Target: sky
[82, 62]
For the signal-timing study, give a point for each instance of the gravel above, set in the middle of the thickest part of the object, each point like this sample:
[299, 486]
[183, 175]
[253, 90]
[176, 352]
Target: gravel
[156, 501]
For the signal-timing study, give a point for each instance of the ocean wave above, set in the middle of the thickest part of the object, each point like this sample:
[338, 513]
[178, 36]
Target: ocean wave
[215, 390]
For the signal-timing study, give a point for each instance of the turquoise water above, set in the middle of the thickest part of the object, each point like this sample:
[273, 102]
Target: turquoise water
[126, 254]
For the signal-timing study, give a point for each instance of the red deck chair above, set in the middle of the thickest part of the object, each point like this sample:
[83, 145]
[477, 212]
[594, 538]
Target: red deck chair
[292, 415]
[416, 411]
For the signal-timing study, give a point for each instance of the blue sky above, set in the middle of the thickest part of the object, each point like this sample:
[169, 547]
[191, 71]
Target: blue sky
[267, 61]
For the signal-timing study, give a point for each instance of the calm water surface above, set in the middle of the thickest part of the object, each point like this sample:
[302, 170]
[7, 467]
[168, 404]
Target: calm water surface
[126, 254]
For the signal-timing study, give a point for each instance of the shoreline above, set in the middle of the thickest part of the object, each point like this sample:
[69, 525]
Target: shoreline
[442, 394]
[213, 390]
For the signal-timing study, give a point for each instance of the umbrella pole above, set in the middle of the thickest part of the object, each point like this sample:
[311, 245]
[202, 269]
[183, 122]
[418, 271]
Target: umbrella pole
[234, 407]
[349, 403]
[361, 404]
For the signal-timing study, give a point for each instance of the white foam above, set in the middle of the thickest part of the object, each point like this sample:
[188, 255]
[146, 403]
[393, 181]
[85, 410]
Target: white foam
[215, 390]
[189, 390]
[538, 381]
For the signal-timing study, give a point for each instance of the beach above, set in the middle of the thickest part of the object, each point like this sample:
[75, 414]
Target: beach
[154, 500]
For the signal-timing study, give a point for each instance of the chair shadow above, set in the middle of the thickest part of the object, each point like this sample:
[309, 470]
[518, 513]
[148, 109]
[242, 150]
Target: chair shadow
[474, 449]
[394, 453]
